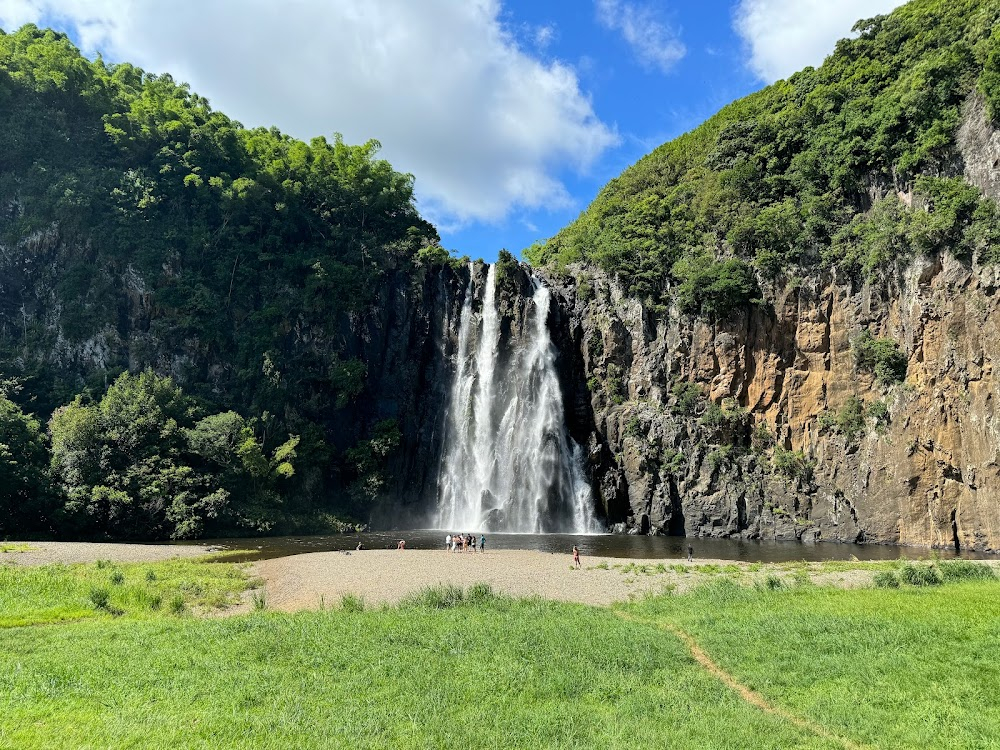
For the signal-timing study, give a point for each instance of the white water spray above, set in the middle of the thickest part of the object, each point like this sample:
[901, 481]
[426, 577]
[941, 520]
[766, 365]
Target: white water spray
[509, 462]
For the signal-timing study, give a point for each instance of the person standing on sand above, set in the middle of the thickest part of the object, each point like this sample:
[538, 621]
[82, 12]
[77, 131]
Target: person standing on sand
[690, 553]
[482, 543]
[576, 557]
[402, 544]
[447, 543]
[473, 544]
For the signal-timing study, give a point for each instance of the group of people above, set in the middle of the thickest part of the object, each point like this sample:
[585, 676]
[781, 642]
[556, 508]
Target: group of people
[464, 543]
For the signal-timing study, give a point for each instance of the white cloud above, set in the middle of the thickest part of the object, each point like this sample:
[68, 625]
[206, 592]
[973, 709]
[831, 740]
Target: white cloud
[484, 126]
[654, 42]
[787, 35]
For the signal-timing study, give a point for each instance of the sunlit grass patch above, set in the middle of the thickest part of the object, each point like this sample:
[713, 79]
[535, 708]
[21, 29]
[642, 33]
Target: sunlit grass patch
[14, 547]
[56, 593]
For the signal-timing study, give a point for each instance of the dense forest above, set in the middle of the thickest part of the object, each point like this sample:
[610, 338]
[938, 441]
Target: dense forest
[848, 166]
[127, 198]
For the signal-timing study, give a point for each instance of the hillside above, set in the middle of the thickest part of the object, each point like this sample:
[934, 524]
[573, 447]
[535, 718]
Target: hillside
[812, 173]
[786, 320]
[142, 230]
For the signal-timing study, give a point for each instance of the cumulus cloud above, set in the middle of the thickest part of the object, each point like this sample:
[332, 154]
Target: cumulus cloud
[784, 36]
[484, 126]
[654, 43]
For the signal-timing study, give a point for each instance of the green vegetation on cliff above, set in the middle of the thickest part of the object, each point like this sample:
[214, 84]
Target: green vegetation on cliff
[139, 228]
[852, 165]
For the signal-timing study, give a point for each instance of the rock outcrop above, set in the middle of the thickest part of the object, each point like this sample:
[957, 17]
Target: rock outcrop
[669, 458]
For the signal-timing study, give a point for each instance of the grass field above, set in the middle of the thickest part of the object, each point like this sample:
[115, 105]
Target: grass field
[913, 666]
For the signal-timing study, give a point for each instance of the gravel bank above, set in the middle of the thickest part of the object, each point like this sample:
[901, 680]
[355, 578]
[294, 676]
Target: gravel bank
[385, 576]
[48, 553]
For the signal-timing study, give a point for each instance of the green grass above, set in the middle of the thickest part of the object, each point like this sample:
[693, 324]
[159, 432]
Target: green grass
[491, 672]
[14, 547]
[912, 667]
[58, 593]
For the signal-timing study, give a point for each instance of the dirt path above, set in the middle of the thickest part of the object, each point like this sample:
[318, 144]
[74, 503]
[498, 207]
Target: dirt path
[750, 696]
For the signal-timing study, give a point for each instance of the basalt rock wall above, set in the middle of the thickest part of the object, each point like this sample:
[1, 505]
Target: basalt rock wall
[929, 476]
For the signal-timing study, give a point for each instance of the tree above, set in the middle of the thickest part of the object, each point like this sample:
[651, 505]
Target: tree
[26, 493]
[124, 466]
[253, 479]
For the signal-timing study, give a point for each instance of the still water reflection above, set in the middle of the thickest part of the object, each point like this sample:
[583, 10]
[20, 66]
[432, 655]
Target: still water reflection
[597, 545]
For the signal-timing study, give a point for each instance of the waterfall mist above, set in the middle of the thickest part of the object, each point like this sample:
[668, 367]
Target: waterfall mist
[509, 463]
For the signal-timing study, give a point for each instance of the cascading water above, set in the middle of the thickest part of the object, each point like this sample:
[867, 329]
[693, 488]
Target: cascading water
[509, 462]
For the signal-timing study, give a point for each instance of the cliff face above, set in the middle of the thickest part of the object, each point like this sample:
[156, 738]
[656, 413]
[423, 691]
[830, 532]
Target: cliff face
[930, 476]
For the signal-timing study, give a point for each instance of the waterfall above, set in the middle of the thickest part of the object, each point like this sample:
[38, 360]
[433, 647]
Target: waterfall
[509, 463]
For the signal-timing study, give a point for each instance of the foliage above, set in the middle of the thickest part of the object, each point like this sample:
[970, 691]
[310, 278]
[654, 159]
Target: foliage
[672, 461]
[26, 494]
[614, 384]
[688, 397]
[729, 418]
[367, 460]
[792, 465]
[882, 357]
[138, 465]
[807, 173]
[714, 289]
[851, 419]
[989, 79]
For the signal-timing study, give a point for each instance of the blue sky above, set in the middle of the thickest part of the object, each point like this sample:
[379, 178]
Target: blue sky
[511, 114]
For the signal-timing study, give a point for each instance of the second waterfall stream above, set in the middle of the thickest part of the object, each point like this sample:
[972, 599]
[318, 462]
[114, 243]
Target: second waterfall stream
[509, 463]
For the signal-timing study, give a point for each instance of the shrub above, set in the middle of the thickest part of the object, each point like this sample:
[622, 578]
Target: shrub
[259, 600]
[850, 419]
[150, 575]
[792, 464]
[615, 384]
[672, 461]
[878, 412]
[886, 579]
[882, 357]
[688, 396]
[117, 578]
[761, 439]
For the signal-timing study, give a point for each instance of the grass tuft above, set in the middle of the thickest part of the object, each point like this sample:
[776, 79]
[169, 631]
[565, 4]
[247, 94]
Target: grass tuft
[352, 603]
[920, 575]
[886, 579]
[100, 597]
